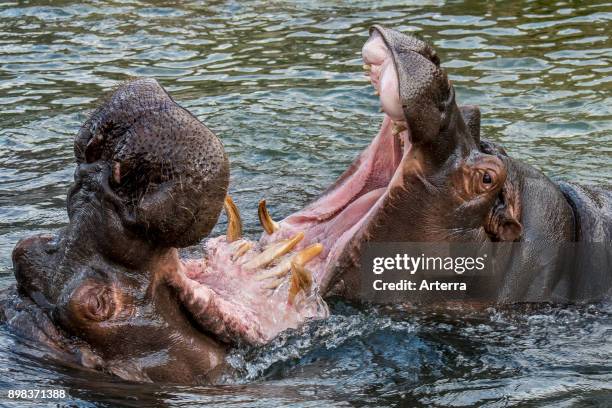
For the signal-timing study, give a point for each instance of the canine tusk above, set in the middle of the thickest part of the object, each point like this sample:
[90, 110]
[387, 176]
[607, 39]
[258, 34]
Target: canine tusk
[301, 279]
[274, 251]
[234, 223]
[265, 220]
[367, 67]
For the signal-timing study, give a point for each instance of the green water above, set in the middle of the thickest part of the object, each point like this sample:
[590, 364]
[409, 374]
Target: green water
[281, 84]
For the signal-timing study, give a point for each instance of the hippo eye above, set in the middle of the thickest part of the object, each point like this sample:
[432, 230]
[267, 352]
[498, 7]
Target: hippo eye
[486, 178]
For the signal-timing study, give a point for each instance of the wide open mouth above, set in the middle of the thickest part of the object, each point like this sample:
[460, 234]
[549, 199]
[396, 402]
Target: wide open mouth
[343, 212]
[250, 291]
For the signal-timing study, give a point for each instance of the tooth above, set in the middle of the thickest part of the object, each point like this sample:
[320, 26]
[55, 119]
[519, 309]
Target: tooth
[278, 271]
[242, 249]
[266, 221]
[367, 67]
[234, 223]
[274, 251]
[275, 284]
[301, 258]
[398, 127]
[307, 254]
[381, 110]
[301, 279]
[376, 93]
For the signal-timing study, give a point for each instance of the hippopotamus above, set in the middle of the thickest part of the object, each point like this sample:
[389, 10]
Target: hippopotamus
[111, 292]
[427, 176]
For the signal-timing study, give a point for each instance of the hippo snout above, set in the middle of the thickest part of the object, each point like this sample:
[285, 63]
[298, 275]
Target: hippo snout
[30, 257]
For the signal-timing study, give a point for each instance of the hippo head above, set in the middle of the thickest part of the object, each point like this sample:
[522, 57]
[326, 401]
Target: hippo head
[110, 288]
[425, 177]
[150, 178]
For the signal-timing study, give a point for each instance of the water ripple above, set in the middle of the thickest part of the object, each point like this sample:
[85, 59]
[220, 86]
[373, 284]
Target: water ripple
[280, 83]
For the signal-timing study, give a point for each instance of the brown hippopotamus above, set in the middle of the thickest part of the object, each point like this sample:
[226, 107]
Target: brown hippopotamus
[110, 292]
[428, 177]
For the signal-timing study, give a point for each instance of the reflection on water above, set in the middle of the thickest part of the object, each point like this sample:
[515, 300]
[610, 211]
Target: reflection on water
[280, 83]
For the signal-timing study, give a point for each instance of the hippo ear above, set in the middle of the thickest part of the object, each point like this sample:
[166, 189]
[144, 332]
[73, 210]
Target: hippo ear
[471, 117]
[488, 147]
[503, 222]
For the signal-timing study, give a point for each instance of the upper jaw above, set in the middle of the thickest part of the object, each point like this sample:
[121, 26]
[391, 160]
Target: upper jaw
[426, 96]
[379, 63]
[399, 43]
[341, 216]
[382, 70]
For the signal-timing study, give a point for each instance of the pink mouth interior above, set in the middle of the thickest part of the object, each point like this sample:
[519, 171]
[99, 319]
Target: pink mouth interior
[339, 214]
[235, 303]
[345, 209]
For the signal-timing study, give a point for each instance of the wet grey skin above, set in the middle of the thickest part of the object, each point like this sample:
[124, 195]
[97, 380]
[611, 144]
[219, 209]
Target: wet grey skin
[444, 196]
[149, 178]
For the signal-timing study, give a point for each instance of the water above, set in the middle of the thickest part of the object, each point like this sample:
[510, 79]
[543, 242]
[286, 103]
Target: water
[281, 84]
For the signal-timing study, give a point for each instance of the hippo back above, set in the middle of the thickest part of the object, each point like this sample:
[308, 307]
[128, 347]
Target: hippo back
[592, 207]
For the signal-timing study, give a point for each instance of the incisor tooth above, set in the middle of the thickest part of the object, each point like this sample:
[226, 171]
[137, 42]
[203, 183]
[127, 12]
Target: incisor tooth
[234, 222]
[301, 279]
[376, 93]
[278, 271]
[307, 254]
[242, 249]
[268, 224]
[274, 251]
[274, 284]
[367, 67]
[301, 258]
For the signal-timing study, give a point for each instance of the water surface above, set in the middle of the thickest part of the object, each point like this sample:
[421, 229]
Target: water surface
[281, 84]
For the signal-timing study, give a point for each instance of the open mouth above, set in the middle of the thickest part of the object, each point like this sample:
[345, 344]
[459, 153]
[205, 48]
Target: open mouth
[345, 209]
[250, 291]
